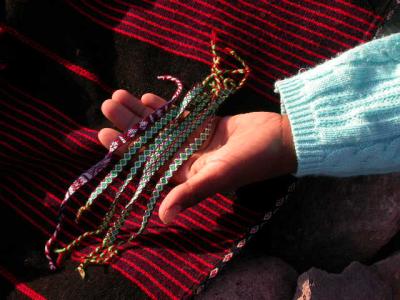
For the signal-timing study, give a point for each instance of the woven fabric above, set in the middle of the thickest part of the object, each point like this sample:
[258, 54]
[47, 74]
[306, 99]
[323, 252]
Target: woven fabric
[61, 59]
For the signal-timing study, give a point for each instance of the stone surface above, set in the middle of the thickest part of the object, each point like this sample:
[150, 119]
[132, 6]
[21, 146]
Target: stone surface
[355, 282]
[389, 271]
[328, 223]
[253, 277]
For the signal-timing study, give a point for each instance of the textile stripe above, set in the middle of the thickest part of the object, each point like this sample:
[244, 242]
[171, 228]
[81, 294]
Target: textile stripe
[78, 70]
[137, 216]
[48, 111]
[137, 281]
[122, 29]
[20, 286]
[60, 123]
[183, 30]
[21, 188]
[151, 280]
[41, 213]
[47, 124]
[351, 6]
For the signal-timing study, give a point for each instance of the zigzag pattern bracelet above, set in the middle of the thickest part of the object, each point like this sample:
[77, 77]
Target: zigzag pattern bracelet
[156, 143]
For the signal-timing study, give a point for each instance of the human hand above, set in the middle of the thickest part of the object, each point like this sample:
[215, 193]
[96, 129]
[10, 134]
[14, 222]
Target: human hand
[242, 149]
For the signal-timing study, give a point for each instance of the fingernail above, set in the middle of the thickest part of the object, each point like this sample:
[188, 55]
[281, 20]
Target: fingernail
[171, 213]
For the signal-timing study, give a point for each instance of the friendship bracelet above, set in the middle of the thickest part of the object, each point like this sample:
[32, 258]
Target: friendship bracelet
[155, 144]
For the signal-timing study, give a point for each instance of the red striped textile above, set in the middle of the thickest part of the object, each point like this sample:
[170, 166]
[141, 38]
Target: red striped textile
[44, 147]
[169, 261]
[20, 286]
[276, 38]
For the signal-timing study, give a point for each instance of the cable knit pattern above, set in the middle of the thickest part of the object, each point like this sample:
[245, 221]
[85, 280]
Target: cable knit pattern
[345, 113]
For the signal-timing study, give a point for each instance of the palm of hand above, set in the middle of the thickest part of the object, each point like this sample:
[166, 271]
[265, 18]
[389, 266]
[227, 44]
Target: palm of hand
[242, 149]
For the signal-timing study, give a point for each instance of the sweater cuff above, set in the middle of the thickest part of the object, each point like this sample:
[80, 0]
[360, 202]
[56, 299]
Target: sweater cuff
[295, 103]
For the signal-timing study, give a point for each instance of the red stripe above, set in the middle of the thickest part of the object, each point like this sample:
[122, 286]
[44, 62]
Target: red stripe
[298, 25]
[162, 17]
[341, 12]
[213, 212]
[41, 142]
[185, 248]
[20, 286]
[67, 64]
[128, 221]
[343, 34]
[30, 128]
[186, 262]
[139, 284]
[51, 183]
[305, 39]
[241, 207]
[183, 225]
[45, 161]
[62, 122]
[188, 46]
[97, 215]
[143, 287]
[156, 268]
[128, 262]
[156, 4]
[144, 29]
[181, 270]
[137, 268]
[175, 255]
[192, 37]
[242, 50]
[207, 229]
[138, 216]
[59, 113]
[258, 38]
[312, 53]
[228, 210]
[255, 78]
[188, 240]
[21, 213]
[346, 3]
[194, 222]
[184, 54]
[137, 36]
[153, 280]
[208, 220]
[43, 216]
[270, 96]
[178, 222]
[49, 125]
[40, 153]
[273, 45]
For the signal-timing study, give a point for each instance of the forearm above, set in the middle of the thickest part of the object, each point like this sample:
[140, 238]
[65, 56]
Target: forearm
[345, 114]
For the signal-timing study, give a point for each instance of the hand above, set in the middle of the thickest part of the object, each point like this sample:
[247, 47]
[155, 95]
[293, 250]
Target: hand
[242, 149]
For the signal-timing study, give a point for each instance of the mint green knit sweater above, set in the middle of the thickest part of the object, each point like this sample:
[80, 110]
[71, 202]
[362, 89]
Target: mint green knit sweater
[345, 113]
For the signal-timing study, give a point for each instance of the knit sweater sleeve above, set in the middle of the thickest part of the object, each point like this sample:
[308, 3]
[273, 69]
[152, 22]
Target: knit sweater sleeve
[345, 113]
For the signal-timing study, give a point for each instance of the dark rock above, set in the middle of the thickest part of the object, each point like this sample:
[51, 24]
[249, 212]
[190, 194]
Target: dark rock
[328, 223]
[389, 271]
[253, 277]
[355, 282]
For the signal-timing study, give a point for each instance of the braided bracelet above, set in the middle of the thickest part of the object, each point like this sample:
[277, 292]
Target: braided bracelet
[155, 144]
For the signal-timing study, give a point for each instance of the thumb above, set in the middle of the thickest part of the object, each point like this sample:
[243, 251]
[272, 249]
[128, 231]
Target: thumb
[203, 184]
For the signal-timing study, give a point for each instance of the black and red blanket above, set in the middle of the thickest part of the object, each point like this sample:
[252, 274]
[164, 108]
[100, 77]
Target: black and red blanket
[59, 60]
